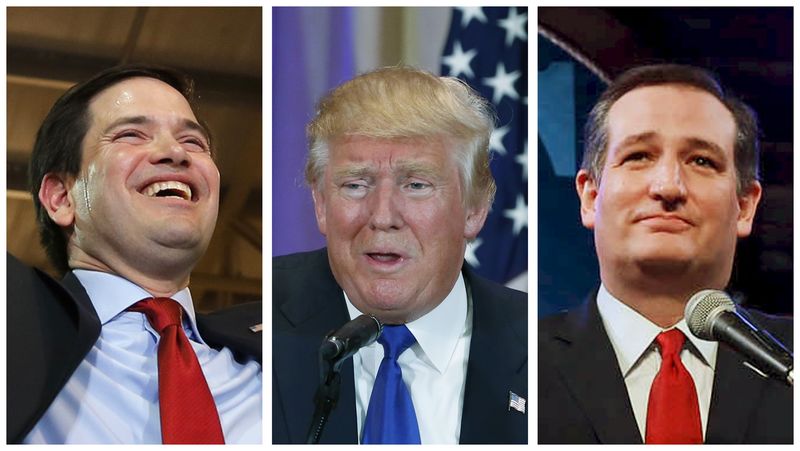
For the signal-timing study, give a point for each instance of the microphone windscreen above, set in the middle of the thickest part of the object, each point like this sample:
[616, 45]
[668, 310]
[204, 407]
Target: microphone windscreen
[703, 308]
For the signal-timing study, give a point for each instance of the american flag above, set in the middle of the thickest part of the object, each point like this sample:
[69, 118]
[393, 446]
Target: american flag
[516, 402]
[488, 49]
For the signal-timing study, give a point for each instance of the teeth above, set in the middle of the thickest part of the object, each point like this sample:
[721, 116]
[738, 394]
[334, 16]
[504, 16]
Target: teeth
[157, 187]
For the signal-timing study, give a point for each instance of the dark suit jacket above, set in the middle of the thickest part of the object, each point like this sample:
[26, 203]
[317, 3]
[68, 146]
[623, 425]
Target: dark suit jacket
[583, 399]
[51, 326]
[308, 304]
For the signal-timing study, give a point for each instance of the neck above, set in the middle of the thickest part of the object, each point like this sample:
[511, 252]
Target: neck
[160, 280]
[661, 298]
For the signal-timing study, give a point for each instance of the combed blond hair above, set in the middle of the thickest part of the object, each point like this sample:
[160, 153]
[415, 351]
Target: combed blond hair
[402, 102]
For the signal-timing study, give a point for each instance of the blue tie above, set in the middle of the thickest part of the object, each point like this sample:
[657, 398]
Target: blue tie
[391, 417]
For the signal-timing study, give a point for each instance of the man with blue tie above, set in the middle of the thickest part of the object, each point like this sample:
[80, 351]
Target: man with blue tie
[399, 172]
[126, 192]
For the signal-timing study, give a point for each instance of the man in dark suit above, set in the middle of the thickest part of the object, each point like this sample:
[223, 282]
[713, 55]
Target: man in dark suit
[398, 167]
[126, 193]
[668, 184]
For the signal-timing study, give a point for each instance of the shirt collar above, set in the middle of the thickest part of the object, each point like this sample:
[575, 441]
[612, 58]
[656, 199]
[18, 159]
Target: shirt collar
[438, 331]
[111, 295]
[631, 334]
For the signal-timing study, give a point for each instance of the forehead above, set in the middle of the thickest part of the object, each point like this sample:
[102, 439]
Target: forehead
[382, 152]
[139, 96]
[671, 112]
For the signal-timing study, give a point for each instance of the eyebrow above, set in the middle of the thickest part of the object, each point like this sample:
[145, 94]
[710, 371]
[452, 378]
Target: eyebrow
[403, 168]
[638, 138]
[416, 168]
[359, 171]
[144, 120]
[705, 144]
[692, 141]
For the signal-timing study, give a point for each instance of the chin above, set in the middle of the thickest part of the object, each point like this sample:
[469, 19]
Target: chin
[180, 239]
[665, 264]
[385, 300]
[380, 297]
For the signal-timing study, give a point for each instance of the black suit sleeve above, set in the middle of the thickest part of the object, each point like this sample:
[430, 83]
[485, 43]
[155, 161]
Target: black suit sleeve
[47, 338]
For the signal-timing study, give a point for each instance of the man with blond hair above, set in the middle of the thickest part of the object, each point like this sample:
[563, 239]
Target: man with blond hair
[399, 172]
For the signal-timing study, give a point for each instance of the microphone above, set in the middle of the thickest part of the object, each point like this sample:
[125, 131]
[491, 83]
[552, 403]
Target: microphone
[712, 315]
[337, 347]
[351, 337]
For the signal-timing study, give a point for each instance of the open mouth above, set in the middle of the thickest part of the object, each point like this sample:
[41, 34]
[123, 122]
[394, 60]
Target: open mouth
[385, 258]
[172, 188]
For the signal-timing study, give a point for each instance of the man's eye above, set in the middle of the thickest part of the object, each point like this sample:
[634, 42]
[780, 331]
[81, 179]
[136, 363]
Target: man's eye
[354, 187]
[417, 185]
[704, 161]
[196, 142]
[354, 190]
[635, 156]
[128, 135]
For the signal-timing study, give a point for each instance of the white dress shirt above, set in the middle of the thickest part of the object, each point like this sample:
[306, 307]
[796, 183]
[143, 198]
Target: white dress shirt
[632, 337]
[434, 368]
[112, 397]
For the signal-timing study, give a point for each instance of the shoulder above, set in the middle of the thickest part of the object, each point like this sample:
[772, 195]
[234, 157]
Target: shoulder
[486, 288]
[303, 285]
[292, 273]
[553, 322]
[578, 324]
[482, 289]
[25, 281]
[235, 328]
[781, 327]
[496, 306]
[310, 260]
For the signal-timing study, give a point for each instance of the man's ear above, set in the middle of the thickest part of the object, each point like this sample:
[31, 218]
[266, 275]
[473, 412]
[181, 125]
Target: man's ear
[587, 193]
[476, 216]
[56, 198]
[319, 207]
[748, 202]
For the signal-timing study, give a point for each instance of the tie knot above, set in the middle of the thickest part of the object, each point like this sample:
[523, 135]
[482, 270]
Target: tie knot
[160, 312]
[671, 342]
[395, 340]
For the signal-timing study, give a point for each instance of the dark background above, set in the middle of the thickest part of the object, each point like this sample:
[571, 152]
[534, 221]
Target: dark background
[750, 50]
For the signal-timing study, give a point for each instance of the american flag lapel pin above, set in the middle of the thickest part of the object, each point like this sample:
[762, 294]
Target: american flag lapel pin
[257, 328]
[516, 402]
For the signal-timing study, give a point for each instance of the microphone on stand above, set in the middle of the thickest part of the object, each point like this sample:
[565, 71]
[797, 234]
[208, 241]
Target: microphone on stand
[348, 339]
[712, 315]
[335, 349]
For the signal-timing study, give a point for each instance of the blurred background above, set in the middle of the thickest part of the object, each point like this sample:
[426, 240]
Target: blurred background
[50, 49]
[581, 49]
[316, 49]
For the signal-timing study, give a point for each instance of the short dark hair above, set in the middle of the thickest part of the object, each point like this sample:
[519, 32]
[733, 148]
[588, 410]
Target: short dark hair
[746, 144]
[58, 146]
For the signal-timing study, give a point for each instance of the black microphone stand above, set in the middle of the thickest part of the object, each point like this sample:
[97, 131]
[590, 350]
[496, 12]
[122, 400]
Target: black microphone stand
[337, 347]
[326, 397]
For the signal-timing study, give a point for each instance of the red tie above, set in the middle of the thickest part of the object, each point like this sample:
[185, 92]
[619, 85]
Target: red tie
[188, 412]
[673, 415]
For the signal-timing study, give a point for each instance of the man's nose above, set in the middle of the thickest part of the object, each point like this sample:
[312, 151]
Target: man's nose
[668, 184]
[169, 151]
[385, 208]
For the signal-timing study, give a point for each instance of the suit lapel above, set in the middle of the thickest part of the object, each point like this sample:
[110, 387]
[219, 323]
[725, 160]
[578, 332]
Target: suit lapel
[497, 365]
[88, 322]
[734, 398]
[589, 367]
